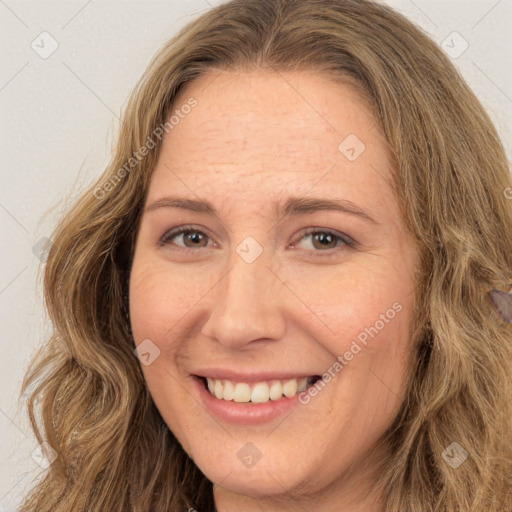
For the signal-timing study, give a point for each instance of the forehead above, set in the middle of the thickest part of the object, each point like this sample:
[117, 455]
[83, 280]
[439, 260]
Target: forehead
[274, 134]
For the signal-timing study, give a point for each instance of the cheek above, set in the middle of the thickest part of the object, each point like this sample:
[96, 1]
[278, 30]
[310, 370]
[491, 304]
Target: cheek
[365, 311]
[336, 304]
[361, 301]
[160, 296]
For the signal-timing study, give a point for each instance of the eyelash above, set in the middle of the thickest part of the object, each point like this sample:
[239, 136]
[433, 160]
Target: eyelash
[343, 239]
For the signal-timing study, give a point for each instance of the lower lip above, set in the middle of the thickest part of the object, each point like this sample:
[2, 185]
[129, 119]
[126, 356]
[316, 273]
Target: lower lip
[244, 413]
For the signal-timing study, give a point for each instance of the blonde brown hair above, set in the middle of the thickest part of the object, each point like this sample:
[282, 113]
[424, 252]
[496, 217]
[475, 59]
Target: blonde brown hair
[115, 452]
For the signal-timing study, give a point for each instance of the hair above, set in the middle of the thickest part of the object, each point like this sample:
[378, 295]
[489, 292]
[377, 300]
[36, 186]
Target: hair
[88, 399]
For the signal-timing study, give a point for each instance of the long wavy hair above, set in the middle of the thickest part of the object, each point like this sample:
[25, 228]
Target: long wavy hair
[87, 397]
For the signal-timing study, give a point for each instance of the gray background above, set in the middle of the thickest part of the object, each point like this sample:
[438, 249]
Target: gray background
[59, 118]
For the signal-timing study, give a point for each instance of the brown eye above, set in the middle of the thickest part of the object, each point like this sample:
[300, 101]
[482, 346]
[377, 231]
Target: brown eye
[190, 238]
[322, 240]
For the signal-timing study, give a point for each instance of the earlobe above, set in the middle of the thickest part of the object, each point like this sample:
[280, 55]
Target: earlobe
[502, 302]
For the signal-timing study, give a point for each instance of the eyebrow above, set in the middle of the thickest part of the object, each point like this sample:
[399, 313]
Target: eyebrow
[293, 206]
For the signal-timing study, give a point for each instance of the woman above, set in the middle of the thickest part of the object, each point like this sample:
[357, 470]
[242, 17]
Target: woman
[276, 296]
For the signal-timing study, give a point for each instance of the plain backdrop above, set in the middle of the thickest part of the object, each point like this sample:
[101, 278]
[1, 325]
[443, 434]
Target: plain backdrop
[59, 115]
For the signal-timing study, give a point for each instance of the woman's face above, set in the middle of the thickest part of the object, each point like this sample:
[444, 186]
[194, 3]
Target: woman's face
[274, 283]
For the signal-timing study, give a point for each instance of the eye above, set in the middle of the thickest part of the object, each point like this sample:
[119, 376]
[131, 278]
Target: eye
[320, 240]
[324, 240]
[187, 235]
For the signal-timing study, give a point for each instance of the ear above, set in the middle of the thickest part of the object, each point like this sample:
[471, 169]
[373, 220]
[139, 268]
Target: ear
[502, 302]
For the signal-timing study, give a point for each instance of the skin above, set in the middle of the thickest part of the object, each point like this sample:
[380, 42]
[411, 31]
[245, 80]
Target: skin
[253, 139]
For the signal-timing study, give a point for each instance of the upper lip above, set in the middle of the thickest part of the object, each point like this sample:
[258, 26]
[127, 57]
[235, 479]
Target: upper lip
[237, 376]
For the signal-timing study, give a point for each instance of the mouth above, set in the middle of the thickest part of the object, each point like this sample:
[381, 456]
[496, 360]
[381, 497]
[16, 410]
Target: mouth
[257, 392]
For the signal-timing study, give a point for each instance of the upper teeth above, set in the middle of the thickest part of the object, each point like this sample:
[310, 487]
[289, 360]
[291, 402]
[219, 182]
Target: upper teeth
[256, 392]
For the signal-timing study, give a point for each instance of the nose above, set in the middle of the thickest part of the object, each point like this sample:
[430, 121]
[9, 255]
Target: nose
[248, 305]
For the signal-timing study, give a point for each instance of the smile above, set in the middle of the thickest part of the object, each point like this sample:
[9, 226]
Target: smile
[257, 392]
